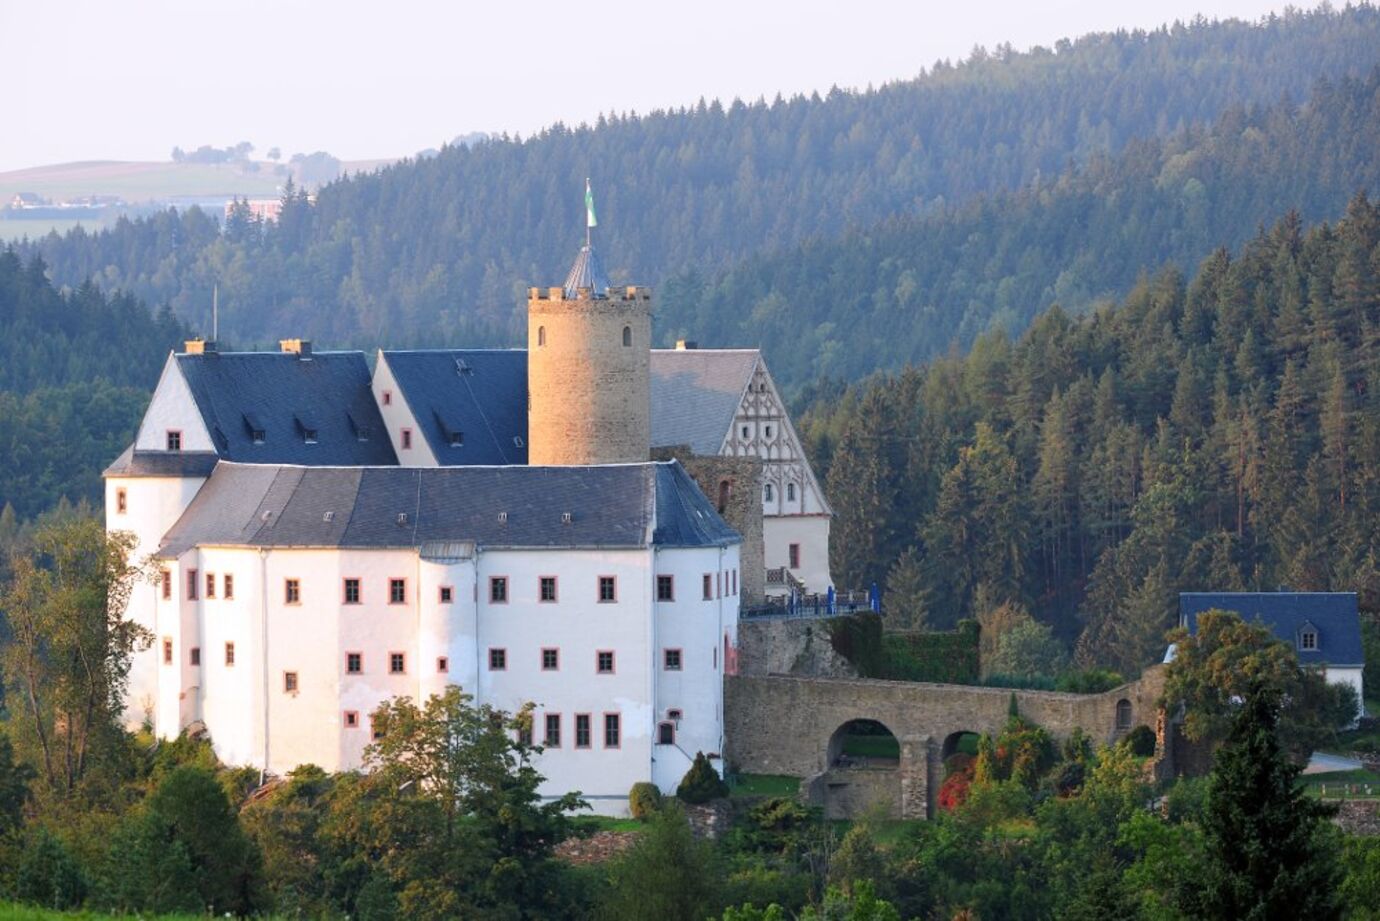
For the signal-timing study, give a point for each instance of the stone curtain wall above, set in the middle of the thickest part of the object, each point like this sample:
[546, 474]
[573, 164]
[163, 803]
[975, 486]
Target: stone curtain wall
[783, 725]
[780, 646]
[743, 511]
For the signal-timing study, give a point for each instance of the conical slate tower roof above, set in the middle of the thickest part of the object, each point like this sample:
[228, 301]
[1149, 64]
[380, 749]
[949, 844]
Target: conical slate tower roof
[587, 272]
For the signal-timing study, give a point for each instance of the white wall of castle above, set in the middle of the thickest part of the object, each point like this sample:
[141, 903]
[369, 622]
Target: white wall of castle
[172, 409]
[313, 638]
[398, 418]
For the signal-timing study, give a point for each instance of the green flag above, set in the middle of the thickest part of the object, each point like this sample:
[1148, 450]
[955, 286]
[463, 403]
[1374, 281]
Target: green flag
[590, 220]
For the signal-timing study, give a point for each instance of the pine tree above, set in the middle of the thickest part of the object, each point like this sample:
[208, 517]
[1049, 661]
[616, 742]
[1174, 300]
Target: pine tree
[1269, 849]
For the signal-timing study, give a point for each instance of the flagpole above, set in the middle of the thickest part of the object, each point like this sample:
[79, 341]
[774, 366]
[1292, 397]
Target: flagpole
[588, 229]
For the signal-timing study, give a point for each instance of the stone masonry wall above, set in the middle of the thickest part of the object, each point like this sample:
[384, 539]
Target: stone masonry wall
[590, 394]
[743, 511]
[781, 646]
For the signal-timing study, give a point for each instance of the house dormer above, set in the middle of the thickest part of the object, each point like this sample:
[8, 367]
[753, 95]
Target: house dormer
[1307, 638]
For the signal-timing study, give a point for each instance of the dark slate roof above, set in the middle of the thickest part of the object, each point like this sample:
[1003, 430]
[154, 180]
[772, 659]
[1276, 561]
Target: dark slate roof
[286, 396]
[1333, 614]
[696, 394]
[587, 272]
[479, 394]
[134, 463]
[619, 505]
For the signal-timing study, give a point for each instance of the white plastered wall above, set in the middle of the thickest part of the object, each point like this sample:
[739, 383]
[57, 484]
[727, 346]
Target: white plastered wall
[172, 409]
[811, 532]
[397, 415]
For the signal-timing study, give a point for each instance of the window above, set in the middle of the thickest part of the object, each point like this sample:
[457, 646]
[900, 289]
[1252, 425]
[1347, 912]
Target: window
[121, 501]
[195, 656]
[673, 714]
[174, 440]
[725, 490]
[541, 336]
[794, 551]
[309, 436]
[608, 589]
[292, 591]
[354, 663]
[735, 582]
[406, 437]
[790, 492]
[388, 398]
[228, 584]
[745, 433]
[442, 664]
[397, 591]
[397, 663]
[447, 594]
[767, 492]
[612, 730]
[498, 660]
[210, 585]
[525, 732]
[603, 662]
[375, 729]
[708, 586]
[351, 595]
[289, 682]
[1123, 714]
[191, 585]
[230, 654]
[546, 588]
[167, 651]
[550, 659]
[166, 578]
[457, 439]
[769, 431]
[666, 734]
[582, 730]
[627, 336]
[671, 659]
[665, 588]
[1308, 639]
[553, 730]
[498, 589]
[351, 719]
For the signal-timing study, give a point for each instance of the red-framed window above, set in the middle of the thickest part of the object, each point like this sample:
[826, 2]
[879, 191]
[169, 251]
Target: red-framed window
[210, 585]
[174, 440]
[375, 728]
[388, 398]
[445, 594]
[191, 585]
[666, 733]
[354, 663]
[227, 583]
[672, 660]
[546, 589]
[167, 650]
[406, 437]
[351, 591]
[603, 662]
[665, 588]
[552, 736]
[582, 731]
[195, 656]
[735, 581]
[613, 730]
[498, 589]
[442, 664]
[550, 659]
[498, 659]
[608, 589]
[121, 501]
[351, 719]
[166, 578]
[709, 586]
[292, 591]
[397, 663]
[794, 550]
[397, 591]
[289, 682]
[230, 654]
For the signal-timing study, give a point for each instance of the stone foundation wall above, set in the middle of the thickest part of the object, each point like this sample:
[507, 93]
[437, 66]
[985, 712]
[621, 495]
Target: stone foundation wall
[1358, 817]
[789, 647]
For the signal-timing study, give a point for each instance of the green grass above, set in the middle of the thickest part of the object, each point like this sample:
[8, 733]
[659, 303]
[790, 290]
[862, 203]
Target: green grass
[763, 785]
[871, 746]
[1335, 779]
[607, 823]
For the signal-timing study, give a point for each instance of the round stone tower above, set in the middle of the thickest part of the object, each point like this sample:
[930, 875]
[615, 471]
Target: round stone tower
[589, 370]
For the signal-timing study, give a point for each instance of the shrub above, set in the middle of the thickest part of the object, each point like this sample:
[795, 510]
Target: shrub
[1089, 681]
[1141, 741]
[959, 763]
[48, 875]
[953, 792]
[701, 783]
[643, 800]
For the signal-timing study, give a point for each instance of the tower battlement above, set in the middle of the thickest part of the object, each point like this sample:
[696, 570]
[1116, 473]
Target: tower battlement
[628, 293]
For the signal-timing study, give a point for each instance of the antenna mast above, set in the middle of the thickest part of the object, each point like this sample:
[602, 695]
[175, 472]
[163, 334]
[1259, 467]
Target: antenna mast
[215, 312]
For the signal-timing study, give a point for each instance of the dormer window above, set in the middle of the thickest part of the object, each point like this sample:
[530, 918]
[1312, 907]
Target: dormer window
[255, 427]
[457, 439]
[1308, 639]
[309, 436]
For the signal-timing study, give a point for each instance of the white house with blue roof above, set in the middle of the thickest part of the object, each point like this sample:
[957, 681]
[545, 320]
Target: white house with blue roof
[1324, 628]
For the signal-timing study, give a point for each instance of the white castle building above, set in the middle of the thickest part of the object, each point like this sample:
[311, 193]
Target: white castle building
[325, 539]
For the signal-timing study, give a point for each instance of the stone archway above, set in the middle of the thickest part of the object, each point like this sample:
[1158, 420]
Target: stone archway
[862, 768]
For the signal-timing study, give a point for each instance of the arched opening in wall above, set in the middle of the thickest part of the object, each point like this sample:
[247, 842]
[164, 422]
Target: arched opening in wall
[725, 492]
[627, 335]
[960, 743]
[541, 336]
[864, 744]
[1123, 715]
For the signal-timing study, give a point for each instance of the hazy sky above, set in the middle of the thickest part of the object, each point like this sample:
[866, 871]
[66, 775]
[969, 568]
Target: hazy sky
[129, 79]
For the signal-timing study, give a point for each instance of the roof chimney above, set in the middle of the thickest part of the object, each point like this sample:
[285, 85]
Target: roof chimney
[684, 345]
[299, 347]
[199, 347]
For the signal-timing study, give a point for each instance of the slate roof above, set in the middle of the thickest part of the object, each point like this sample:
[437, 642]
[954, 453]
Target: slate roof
[619, 505]
[479, 394]
[587, 272]
[134, 463]
[288, 397]
[695, 395]
[1333, 614]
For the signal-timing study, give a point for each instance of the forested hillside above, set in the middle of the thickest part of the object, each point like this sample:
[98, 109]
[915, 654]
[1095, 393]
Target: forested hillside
[440, 249]
[1222, 433]
[76, 369]
[910, 289]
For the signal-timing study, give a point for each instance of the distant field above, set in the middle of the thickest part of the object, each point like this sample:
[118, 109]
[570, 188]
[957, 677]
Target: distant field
[137, 182]
[11, 231]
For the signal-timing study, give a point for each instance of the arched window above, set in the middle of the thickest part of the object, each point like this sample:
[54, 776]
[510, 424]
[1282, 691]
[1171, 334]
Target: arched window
[790, 492]
[767, 491]
[725, 490]
[1123, 714]
[541, 335]
[627, 335]
[666, 734]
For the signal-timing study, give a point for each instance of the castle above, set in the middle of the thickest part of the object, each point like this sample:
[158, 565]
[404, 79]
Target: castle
[576, 525]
